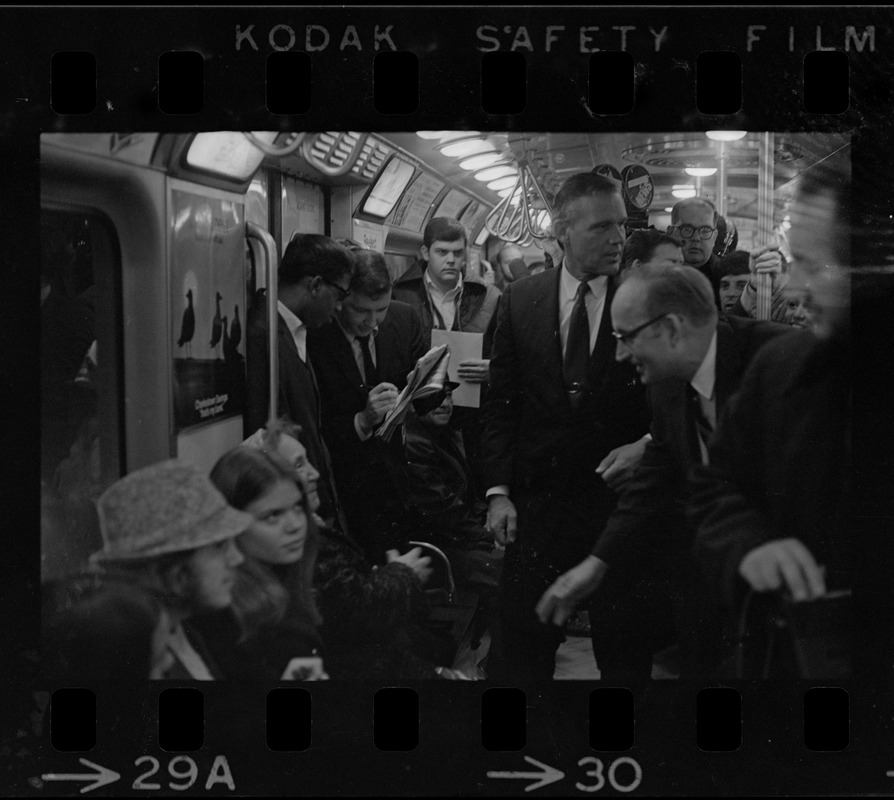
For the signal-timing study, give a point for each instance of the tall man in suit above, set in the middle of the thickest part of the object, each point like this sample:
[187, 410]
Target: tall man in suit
[559, 403]
[666, 324]
[313, 280]
[362, 360]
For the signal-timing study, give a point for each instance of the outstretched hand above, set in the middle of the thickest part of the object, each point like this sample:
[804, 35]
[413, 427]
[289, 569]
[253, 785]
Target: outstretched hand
[559, 601]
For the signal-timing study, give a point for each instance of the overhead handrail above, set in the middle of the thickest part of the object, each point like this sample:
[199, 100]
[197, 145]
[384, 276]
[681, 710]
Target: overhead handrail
[268, 247]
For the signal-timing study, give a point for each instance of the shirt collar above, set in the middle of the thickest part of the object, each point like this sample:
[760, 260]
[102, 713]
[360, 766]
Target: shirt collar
[293, 323]
[598, 285]
[450, 294]
[706, 374]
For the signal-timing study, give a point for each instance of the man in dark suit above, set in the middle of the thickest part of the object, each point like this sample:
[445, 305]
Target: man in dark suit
[772, 506]
[362, 360]
[559, 403]
[313, 280]
[666, 324]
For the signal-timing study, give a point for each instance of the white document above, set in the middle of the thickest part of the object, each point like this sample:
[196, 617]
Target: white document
[462, 346]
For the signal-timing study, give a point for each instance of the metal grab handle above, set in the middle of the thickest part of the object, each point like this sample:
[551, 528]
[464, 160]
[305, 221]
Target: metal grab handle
[504, 222]
[268, 246]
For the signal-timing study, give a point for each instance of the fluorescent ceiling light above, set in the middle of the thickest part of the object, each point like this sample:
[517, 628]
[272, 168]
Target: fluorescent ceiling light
[431, 134]
[700, 172]
[467, 147]
[684, 193]
[503, 183]
[482, 161]
[726, 136]
[493, 173]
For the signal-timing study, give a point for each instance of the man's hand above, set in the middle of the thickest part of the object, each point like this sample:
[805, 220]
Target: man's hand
[765, 260]
[784, 562]
[380, 401]
[560, 600]
[618, 466]
[412, 559]
[501, 518]
[474, 370]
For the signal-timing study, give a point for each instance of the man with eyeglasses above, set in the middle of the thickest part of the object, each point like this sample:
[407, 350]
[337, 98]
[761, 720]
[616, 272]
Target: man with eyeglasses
[313, 279]
[667, 326]
[694, 222]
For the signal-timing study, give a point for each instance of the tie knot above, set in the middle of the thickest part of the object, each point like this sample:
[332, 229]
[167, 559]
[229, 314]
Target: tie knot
[582, 289]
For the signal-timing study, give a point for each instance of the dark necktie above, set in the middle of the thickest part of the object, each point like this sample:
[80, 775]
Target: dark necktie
[369, 368]
[703, 426]
[576, 364]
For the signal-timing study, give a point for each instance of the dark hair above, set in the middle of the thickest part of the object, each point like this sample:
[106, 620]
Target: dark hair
[583, 184]
[261, 598]
[311, 254]
[444, 229]
[677, 290]
[98, 627]
[735, 263]
[693, 201]
[371, 276]
[642, 244]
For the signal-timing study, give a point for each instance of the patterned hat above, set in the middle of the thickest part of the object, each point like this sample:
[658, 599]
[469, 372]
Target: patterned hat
[168, 507]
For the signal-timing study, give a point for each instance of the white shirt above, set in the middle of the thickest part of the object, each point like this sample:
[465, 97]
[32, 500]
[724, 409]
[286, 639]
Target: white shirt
[444, 302]
[703, 383]
[296, 327]
[595, 302]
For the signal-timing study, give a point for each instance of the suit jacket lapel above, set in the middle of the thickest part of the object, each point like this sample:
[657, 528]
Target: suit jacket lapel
[728, 367]
[604, 350]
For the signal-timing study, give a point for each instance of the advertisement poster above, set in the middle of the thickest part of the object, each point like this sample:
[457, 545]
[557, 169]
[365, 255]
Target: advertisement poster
[208, 310]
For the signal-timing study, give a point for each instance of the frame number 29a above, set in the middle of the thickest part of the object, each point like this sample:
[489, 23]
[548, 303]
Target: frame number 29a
[183, 773]
[599, 774]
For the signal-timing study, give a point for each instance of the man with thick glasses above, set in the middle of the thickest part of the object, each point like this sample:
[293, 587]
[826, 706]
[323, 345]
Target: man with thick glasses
[666, 325]
[694, 222]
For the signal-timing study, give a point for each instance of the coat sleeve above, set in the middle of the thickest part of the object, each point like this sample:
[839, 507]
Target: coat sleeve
[648, 522]
[725, 506]
[502, 406]
[362, 602]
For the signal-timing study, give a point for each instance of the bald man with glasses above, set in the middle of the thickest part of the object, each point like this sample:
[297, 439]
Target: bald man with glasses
[666, 324]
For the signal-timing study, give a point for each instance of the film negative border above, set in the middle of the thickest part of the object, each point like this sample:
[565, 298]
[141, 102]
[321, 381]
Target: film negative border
[460, 54]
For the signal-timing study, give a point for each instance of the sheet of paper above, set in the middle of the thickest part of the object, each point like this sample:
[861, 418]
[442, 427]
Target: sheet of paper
[462, 346]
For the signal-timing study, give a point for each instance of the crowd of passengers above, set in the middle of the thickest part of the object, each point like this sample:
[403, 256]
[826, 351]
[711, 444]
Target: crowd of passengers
[638, 454]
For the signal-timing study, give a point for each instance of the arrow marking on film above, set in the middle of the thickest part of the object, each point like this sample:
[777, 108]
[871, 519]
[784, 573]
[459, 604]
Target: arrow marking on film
[101, 777]
[547, 776]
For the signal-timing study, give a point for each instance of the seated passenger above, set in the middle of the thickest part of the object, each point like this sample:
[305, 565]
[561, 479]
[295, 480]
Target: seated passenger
[273, 601]
[168, 529]
[442, 498]
[102, 628]
[649, 248]
[368, 612]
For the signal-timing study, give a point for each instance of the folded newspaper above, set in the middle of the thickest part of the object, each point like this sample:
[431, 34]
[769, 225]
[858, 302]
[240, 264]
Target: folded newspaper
[428, 377]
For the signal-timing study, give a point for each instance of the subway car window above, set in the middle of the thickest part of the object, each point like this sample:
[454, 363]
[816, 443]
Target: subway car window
[79, 406]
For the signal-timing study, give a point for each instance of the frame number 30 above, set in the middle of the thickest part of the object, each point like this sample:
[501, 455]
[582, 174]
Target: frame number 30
[599, 774]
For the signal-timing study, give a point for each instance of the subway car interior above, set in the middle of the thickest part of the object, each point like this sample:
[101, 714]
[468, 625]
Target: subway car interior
[166, 237]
